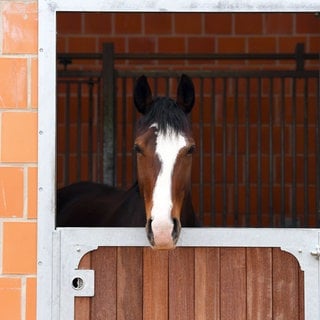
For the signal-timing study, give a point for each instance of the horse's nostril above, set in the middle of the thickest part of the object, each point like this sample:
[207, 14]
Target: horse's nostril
[176, 230]
[150, 232]
[163, 234]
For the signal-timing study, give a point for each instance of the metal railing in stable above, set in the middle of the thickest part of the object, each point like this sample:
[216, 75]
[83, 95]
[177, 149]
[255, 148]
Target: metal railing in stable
[257, 131]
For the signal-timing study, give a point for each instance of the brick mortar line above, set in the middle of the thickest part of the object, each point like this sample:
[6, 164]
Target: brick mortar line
[82, 23]
[29, 82]
[0, 136]
[11, 276]
[143, 25]
[25, 192]
[18, 110]
[1, 246]
[18, 165]
[24, 1]
[23, 301]
[1, 29]
[15, 220]
[17, 55]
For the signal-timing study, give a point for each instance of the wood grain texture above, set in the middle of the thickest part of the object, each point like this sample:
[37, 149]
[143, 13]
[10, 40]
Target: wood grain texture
[285, 286]
[104, 304]
[129, 283]
[233, 284]
[181, 280]
[301, 294]
[207, 283]
[259, 283]
[82, 304]
[193, 283]
[155, 284]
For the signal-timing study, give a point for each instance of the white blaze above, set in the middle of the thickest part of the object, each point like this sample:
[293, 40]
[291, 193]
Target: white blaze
[167, 148]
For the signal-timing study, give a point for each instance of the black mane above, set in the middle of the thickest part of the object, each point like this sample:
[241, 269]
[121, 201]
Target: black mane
[166, 114]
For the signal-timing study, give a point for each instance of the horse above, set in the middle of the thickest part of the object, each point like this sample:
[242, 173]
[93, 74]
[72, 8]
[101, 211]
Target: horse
[160, 200]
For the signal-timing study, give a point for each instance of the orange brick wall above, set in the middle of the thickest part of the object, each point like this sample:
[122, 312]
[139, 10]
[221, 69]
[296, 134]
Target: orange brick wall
[18, 159]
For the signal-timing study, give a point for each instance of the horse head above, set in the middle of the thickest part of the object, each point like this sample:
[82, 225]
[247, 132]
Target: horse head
[164, 147]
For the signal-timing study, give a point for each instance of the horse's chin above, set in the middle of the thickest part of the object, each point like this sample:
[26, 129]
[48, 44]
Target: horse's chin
[163, 243]
[167, 247]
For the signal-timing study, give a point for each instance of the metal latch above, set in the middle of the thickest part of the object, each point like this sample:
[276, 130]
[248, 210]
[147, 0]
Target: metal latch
[82, 283]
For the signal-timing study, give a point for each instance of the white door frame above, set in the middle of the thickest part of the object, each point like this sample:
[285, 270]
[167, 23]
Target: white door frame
[51, 241]
[71, 244]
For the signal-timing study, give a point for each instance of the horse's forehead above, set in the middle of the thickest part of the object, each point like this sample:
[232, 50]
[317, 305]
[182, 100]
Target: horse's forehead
[155, 137]
[169, 143]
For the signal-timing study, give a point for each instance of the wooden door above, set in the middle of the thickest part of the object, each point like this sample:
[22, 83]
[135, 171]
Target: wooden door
[193, 283]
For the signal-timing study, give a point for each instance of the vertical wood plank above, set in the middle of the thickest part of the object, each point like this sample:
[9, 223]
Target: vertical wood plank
[207, 284]
[155, 284]
[285, 286]
[104, 263]
[259, 283]
[181, 284]
[188, 283]
[301, 294]
[82, 304]
[233, 283]
[129, 283]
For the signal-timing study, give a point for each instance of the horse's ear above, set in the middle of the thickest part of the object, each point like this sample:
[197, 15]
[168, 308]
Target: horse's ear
[142, 95]
[185, 93]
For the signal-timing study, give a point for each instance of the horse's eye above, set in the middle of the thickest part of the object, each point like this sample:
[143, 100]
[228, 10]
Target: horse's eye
[191, 149]
[137, 148]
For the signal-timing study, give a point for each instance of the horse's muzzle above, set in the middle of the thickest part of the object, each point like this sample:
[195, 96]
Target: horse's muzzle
[163, 236]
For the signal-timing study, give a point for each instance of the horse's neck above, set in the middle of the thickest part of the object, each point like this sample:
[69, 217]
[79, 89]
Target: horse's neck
[188, 216]
[130, 211]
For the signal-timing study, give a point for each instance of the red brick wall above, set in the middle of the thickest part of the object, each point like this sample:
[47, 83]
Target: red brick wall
[188, 32]
[213, 33]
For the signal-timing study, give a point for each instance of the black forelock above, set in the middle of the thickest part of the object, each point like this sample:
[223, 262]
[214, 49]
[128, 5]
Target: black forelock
[166, 114]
